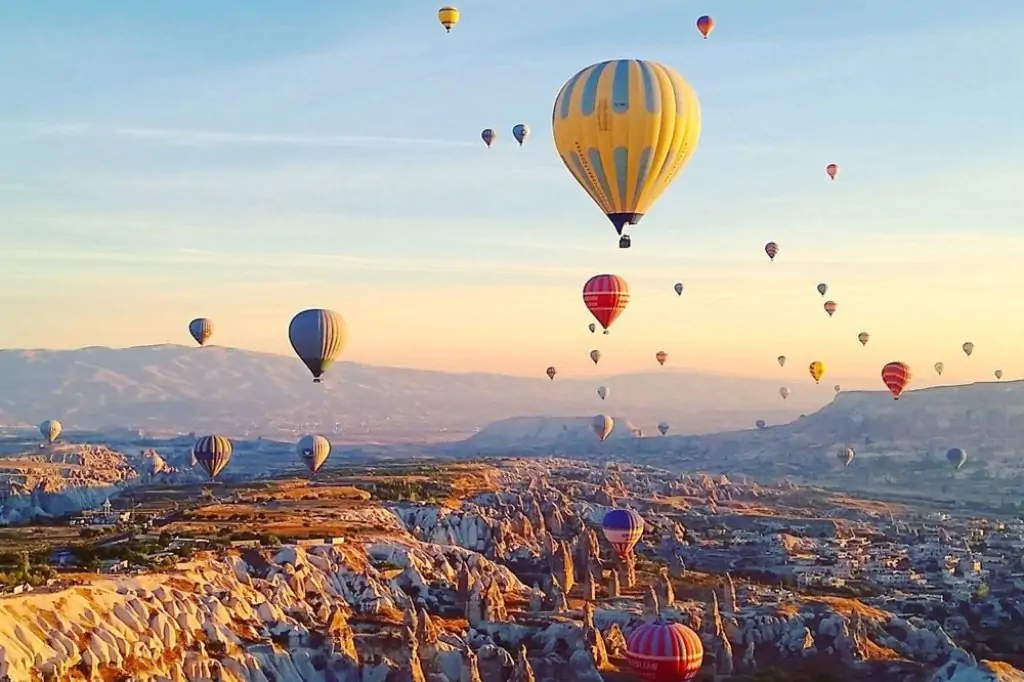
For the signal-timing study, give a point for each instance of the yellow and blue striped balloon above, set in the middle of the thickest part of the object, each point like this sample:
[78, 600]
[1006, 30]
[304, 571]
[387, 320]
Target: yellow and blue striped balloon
[212, 453]
[625, 129]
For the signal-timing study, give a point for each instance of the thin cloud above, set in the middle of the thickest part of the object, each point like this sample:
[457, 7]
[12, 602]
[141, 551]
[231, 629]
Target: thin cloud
[35, 130]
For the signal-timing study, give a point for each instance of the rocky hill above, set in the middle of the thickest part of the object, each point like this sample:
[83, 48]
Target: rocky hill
[178, 389]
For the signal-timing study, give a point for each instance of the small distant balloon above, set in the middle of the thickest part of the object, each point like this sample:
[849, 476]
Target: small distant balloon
[602, 425]
[782, 360]
[772, 249]
[592, 327]
[822, 288]
[488, 136]
[896, 376]
[830, 308]
[595, 355]
[784, 392]
[760, 424]
[833, 170]
[998, 373]
[201, 330]
[939, 367]
[551, 372]
[212, 453]
[663, 428]
[602, 392]
[957, 457]
[679, 288]
[520, 132]
[816, 370]
[845, 455]
[313, 451]
[968, 348]
[50, 429]
[863, 337]
[705, 25]
[661, 356]
[448, 16]
[837, 388]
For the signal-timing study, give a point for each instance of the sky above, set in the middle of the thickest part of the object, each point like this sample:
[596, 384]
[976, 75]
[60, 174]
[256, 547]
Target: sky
[242, 161]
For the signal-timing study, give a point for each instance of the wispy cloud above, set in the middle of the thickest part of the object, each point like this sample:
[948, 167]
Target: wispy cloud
[36, 130]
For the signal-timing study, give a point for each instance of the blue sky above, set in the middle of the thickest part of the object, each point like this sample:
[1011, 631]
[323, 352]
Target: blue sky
[246, 160]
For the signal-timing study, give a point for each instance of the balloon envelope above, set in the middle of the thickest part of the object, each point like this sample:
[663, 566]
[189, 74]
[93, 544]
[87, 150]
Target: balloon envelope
[595, 355]
[782, 360]
[661, 356]
[968, 348]
[313, 451]
[830, 307]
[520, 132]
[606, 296]
[551, 372]
[50, 429]
[623, 528]
[488, 136]
[784, 392]
[705, 25]
[201, 330]
[816, 370]
[822, 288]
[602, 425]
[663, 428]
[448, 16]
[896, 376]
[602, 392]
[833, 170]
[625, 129]
[939, 366]
[845, 455]
[863, 337]
[212, 453]
[664, 652]
[957, 457]
[679, 288]
[772, 249]
[760, 423]
[318, 337]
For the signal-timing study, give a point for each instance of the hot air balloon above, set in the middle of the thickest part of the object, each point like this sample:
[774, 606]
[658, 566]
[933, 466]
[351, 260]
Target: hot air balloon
[212, 453]
[939, 366]
[623, 528]
[822, 288]
[705, 25]
[520, 132]
[661, 356]
[606, 296]
[782, 360]
[817, 370]
[896, 376]
[863, 337]
[638, 433]
[760, 424]
[602, 425]
[201, 330]
[595, 355]
[551, 372]
[592, 327]
[318, 336]
[679, 288]
[625, 129]
[488, 136]
[50, 429]
[313, 451]
[957, 457]
[845, 455]
[663, 427]
[833, 170]
[784, 392]
[830, 307]
[602, 392]
[998, 373]
[448, 16]
[659, 651]
[772, 249]
[837, 388]
[968, 348]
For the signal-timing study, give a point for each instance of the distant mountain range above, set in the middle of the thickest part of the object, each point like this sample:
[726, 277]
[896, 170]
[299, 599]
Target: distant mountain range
[170, 388]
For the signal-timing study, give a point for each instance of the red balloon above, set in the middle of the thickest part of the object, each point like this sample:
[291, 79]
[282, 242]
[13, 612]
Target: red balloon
[896, 376]
[832, 170]
[606, 296]
[664, 652]
[705, 25]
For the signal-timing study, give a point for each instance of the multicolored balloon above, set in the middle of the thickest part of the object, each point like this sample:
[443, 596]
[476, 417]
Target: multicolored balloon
[625, 129]
[833, 170]
[896, 376]
[664, 652]
[318, 336]
[520, 132]
[661, 356]
[313, 451]
[448, 16]
[863, 337]
[623, 528]
[606, 297]
[212, 453]
[705, 25]
[602, 425]
[830, 307]
[817, 370]
[488, 136]
[201, 330]
[551, 372]
[772, 249]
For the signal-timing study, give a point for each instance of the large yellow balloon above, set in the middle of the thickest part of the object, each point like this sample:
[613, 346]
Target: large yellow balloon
[624, 129]
[448, 16]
